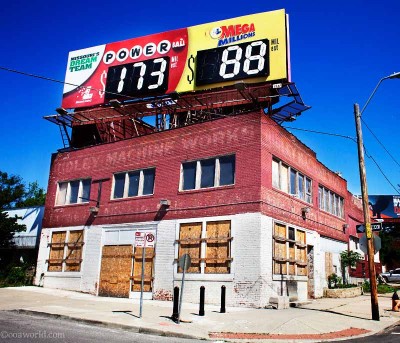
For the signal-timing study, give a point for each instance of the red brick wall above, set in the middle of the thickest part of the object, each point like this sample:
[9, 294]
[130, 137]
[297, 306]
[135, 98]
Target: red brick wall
[165, 151]
[286, 147]
[254, 139]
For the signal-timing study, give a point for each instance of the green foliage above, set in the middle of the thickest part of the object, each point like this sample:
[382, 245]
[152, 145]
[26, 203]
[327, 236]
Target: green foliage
[349, 258]
[389, 253]
[334, 280]
[13, 194]
[349, 285]
[17, 275]
[12, 191]
[8, 227]
[381, 288]
[34, 196]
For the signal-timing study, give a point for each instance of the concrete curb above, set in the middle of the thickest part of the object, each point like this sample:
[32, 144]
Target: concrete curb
[135, 329]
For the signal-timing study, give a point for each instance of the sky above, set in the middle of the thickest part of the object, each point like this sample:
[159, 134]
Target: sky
[339, 52]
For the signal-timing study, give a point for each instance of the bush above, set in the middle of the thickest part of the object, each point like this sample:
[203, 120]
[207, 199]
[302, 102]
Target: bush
[346, 285]
[15, 275]
[381, 288]
[334, 280]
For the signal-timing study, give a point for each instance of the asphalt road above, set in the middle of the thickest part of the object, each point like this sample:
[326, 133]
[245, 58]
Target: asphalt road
[390, 335]
[17, 327]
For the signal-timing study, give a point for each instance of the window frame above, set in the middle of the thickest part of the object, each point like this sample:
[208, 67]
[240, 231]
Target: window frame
[127, 181]
[203, 261]
[67, 248]
[289, 177]
[331, 202]
[298, 246]
[199, 173]
[67, 197]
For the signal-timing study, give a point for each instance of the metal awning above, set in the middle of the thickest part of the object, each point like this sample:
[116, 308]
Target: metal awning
[290, 110]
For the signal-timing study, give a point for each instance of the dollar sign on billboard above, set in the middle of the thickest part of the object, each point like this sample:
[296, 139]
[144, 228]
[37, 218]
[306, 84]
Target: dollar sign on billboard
[190, 78]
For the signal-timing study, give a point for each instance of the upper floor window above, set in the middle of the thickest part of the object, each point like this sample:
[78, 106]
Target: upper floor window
[212, 172]
[290, 181]
[134, 183]
[73, 192]
[330, 202]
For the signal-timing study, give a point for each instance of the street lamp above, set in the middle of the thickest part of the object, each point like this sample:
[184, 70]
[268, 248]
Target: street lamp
[364, 192]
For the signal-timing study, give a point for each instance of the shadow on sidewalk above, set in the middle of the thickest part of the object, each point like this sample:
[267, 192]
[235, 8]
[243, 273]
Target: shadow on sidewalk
[333, 312]
[129, 313]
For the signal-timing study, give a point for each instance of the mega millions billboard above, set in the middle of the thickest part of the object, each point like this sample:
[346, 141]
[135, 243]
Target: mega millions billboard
[253, 48]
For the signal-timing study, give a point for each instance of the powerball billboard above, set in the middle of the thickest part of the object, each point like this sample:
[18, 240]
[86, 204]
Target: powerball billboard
[252, 48]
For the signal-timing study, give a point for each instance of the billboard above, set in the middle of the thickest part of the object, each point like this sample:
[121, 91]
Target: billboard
[253, 48]
[384, 206]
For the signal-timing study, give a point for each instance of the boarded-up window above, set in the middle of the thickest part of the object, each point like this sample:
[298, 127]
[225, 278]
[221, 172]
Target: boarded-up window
[218, 247]
[56, 257]
[280, 254]
[301, 253]
[66, 251]
[328, 264]
[190, 243]
[290, 254]
[209, 246]
[148, 270]
[73, 258]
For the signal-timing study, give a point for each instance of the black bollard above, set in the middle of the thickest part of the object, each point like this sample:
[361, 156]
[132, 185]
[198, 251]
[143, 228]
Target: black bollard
[202, 297]
[175, 311]
[223, 296]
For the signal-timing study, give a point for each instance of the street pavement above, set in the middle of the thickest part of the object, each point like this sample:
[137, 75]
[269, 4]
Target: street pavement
[321, 319]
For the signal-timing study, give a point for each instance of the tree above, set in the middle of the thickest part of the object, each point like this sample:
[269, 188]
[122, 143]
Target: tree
[13, 194]
[34, 196]
[390, 252]
[348, 258]
[12, 191]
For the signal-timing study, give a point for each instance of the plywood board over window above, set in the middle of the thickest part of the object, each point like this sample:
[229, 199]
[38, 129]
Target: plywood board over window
[148, 270]
[190, 243]
[301, 253]
[280, 266]
[74, 252]
[56, 251]
[115, 274]
[218, 247]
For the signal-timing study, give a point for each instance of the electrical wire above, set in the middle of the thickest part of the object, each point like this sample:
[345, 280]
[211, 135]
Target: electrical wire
[377, 139]
[61, 82]
[286, 127]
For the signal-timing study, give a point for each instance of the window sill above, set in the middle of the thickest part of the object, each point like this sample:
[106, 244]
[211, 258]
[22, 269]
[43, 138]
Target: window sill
[138, 197]
[278, 277]
[208, 189]
[331, 214]
[292, 196]
[77, 275]
[204, 277]
[71, 205]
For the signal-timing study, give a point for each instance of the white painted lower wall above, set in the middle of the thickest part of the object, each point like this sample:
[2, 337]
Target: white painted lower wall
[251, 282]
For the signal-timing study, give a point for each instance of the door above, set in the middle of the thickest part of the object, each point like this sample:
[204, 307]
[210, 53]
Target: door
[116, 267]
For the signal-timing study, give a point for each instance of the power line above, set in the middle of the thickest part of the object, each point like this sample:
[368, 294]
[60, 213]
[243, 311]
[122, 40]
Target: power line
[61, 82]
[286, 127]
[373, 134]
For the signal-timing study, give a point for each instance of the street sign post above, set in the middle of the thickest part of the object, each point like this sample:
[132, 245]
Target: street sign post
[143, 239]
[185, 263]
[363, 243]
[374, 227]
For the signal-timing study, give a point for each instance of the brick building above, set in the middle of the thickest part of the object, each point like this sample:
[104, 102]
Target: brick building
[251, 204]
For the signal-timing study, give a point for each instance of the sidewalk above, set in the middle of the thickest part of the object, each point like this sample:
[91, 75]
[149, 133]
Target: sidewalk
[323, 319]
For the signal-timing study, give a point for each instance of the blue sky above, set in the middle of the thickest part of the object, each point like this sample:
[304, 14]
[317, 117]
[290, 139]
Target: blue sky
[339, 52]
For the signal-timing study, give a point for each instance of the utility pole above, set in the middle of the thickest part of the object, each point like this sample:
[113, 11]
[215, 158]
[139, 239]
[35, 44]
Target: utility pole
[367, 220]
